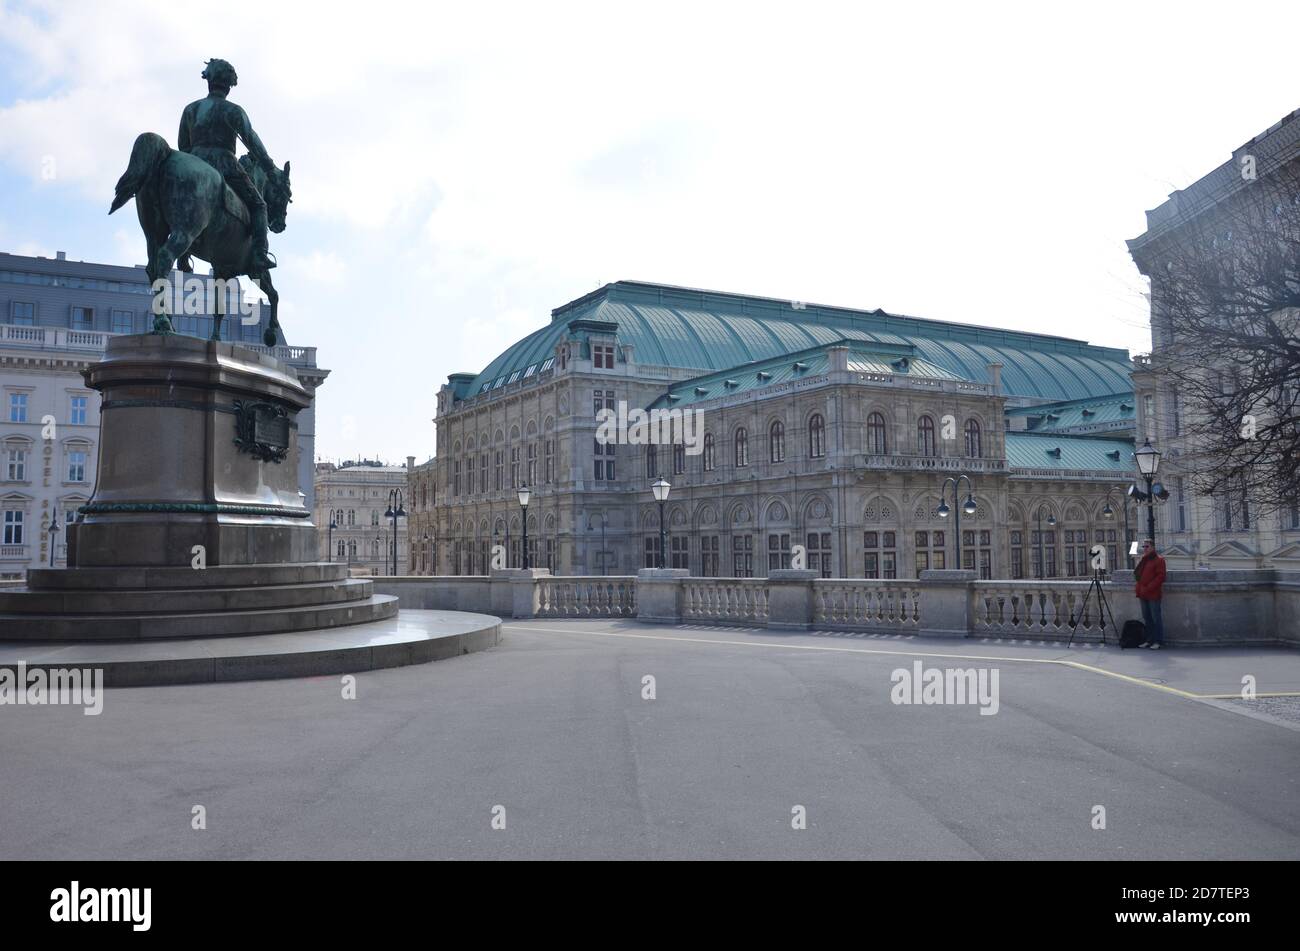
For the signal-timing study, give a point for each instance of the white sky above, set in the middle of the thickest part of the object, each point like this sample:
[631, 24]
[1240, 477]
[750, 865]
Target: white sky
[461, 169]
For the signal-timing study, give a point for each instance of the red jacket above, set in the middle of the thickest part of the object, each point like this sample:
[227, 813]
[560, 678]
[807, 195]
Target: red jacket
[1150, 574]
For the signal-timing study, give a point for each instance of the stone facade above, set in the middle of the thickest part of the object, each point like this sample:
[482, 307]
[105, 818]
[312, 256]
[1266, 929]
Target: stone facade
[825, 447]
[1196, 531]
[354, 496]
[422, 525]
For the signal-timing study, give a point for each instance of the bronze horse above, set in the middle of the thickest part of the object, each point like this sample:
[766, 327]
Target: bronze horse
[184, 209]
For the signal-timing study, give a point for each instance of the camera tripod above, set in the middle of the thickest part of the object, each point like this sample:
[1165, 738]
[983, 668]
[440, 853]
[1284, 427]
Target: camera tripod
[1103, 608]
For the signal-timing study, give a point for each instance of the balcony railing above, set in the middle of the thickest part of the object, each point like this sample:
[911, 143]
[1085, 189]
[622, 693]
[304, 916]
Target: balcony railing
[586, 597]
[87, 341]
[725, 600]
[867, 605]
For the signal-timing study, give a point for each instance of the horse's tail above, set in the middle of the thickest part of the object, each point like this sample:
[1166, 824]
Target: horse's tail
[149, 152]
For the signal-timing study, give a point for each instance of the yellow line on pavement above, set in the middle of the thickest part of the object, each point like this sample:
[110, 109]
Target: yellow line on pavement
[901, 653]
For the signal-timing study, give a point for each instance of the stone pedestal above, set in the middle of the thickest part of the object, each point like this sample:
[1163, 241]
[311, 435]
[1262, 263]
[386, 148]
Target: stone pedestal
[946, 602]
[659, 595]
[198, 446]
[790, 598]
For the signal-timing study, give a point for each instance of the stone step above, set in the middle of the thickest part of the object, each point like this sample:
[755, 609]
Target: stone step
[113, 627]
[227, 576]
[183, 600]
[417, 637]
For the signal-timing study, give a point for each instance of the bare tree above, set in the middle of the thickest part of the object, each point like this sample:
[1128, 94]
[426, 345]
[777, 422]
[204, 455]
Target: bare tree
[1226, 291]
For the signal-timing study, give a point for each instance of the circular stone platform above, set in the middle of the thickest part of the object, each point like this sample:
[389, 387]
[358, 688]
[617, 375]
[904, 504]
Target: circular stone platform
[413, 637]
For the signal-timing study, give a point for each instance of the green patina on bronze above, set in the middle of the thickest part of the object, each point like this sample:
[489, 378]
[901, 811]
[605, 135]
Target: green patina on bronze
[182, 204]
[190, 508]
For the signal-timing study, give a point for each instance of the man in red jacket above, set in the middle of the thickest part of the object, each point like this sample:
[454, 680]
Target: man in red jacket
[1150, 575]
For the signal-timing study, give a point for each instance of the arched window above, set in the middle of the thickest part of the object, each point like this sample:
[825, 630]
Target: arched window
[532, 463]
[776, 442]
[710, 459]
[342, 549]
[973, 439]
[925, 436]
[816, 437]
[877, 438]
[742, 447]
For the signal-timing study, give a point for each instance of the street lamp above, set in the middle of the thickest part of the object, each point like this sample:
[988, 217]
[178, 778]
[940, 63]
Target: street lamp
[969, 507]
[54, 530]
[661, 490]
[395, 511]
[329, 545]
[523, 503]
[1051, 523]
[1148, 461]
[592, 528]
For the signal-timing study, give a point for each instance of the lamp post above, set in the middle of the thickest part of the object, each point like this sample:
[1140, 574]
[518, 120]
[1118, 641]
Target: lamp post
[969, 507]
[523, 503]
[592, 528]
[395, 511]
[1051, 523]
[54, 530]
[1109, 513]
[1148, 462]
[329, 545]
[661, 490]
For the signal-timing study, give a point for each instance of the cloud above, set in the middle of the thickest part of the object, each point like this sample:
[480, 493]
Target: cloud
[459, 170]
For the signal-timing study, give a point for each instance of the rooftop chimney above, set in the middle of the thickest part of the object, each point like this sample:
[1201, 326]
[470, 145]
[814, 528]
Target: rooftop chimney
[61, 256]
[995, 377]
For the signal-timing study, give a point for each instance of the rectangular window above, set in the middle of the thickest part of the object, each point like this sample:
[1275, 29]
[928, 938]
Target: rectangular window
[679, 548]
[17, 407]
[778, 552]
[603, 356]
[83, 318]
[21, 312]
[652, 551]
[550, 461]
[124, 322]
[880, 559]
[16, 467]
[13, 527]
[77, 415]
[76, 466]
[742, 556]
[709, 556]
[514, 467]
[819, 553]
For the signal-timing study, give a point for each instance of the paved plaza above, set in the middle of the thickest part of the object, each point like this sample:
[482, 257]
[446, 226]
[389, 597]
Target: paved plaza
[551, 733]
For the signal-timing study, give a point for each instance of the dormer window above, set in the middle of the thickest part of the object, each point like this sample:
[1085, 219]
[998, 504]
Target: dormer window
[602, 356]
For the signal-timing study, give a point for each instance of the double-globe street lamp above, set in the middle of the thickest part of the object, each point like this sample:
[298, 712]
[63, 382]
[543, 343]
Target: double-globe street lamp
[54, 530]
[969, 507]
[395, 511]
[661, 490]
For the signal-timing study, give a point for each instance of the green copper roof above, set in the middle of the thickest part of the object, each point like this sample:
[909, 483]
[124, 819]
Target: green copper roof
[711, 331]
[1070, 414]
[881, 358]
[1053, 451]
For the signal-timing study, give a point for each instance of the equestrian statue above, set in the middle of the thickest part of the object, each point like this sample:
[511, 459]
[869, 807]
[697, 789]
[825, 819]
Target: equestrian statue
[200, 200]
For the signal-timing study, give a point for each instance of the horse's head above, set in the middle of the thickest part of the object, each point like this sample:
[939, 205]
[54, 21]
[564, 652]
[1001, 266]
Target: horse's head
[278, 194]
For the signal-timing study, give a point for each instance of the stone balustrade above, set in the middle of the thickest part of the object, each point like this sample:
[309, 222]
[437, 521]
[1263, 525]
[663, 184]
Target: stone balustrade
[1230, 608]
